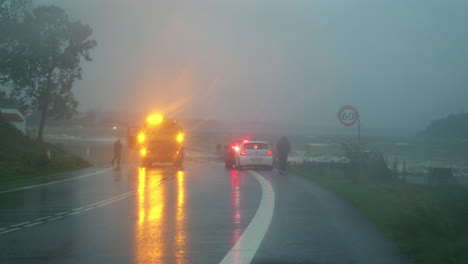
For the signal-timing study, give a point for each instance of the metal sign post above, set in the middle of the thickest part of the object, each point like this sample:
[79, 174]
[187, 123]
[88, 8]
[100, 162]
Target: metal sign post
[348, 116]
[359, 130]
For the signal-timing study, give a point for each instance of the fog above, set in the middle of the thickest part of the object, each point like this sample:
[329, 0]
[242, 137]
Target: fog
[401, 63]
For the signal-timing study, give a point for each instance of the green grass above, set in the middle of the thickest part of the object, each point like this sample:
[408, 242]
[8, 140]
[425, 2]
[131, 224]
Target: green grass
[21, 157]
[429, 224]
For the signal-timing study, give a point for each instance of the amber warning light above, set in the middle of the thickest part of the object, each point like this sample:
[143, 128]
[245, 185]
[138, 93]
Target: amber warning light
[141, 137]
[154, 119]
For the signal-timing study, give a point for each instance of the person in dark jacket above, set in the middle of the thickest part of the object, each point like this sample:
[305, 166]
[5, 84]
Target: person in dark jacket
[117, 152]
[283, 148]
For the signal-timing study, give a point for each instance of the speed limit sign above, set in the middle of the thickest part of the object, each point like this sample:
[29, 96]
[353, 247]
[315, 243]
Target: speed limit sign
[348, 115]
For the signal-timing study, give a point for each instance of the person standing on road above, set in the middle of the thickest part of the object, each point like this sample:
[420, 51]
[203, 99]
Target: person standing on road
[117, 152]
[180, 159]
[283, 148]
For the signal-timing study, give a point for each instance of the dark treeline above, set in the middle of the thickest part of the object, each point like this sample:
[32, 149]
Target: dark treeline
[41, 51]
[452, 126]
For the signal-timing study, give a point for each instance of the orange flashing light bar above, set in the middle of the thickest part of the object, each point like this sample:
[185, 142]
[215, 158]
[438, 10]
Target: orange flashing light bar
[154, 119]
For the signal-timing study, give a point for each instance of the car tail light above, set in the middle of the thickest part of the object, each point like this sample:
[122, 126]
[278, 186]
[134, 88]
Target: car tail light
[243, 152]
[269, 152]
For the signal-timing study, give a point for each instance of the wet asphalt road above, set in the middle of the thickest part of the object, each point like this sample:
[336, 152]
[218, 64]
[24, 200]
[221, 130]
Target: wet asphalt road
[196, 216]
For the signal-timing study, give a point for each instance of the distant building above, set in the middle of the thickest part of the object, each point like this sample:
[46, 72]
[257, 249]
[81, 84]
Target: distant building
[15, 117]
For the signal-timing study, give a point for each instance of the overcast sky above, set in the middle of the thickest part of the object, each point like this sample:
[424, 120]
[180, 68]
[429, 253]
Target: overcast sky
[402, 63]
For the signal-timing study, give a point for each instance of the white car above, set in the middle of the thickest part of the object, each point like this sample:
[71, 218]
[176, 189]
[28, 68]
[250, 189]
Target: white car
[254, 154]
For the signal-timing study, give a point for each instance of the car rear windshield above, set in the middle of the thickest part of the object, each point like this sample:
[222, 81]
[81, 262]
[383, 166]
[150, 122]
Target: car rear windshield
[255, 146]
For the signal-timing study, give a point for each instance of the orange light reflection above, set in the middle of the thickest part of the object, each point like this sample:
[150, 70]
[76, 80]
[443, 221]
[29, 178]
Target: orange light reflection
[150, 244]
[161, 235]
[235, 207]
[180, 228]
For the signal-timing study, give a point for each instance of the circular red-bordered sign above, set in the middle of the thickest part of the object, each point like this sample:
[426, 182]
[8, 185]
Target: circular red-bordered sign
[348, 115]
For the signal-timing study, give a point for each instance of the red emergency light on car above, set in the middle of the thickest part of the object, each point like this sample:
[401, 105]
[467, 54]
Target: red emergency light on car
[269, 152]
[243, 152]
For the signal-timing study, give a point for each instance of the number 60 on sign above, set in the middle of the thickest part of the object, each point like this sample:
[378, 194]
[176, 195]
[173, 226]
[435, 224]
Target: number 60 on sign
[348, 115]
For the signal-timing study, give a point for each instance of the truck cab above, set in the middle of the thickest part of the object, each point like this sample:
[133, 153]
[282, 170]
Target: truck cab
[159, 142]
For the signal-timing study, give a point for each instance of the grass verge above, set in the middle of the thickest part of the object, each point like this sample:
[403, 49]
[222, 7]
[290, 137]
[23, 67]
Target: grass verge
[21, 157]
[429, 224]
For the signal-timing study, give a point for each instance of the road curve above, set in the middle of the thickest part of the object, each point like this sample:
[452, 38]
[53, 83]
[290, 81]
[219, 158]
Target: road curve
[139, 215]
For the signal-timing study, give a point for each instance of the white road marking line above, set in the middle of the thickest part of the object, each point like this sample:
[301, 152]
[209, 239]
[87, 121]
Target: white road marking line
[245, 248]
[54, 182]
[20, 224]
[112, 201]
[106, 203]
[43, 218]
[33, 224]
[102, 202]
[106, 200]
[62, 213]
[76, 210]
[9, 230]
[74, 213]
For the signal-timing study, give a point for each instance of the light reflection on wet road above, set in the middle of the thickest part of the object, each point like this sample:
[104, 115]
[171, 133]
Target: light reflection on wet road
[180, 232]
[154, 240]
[149, 238]
[235, 206]
[152, 216]
[162, 230]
